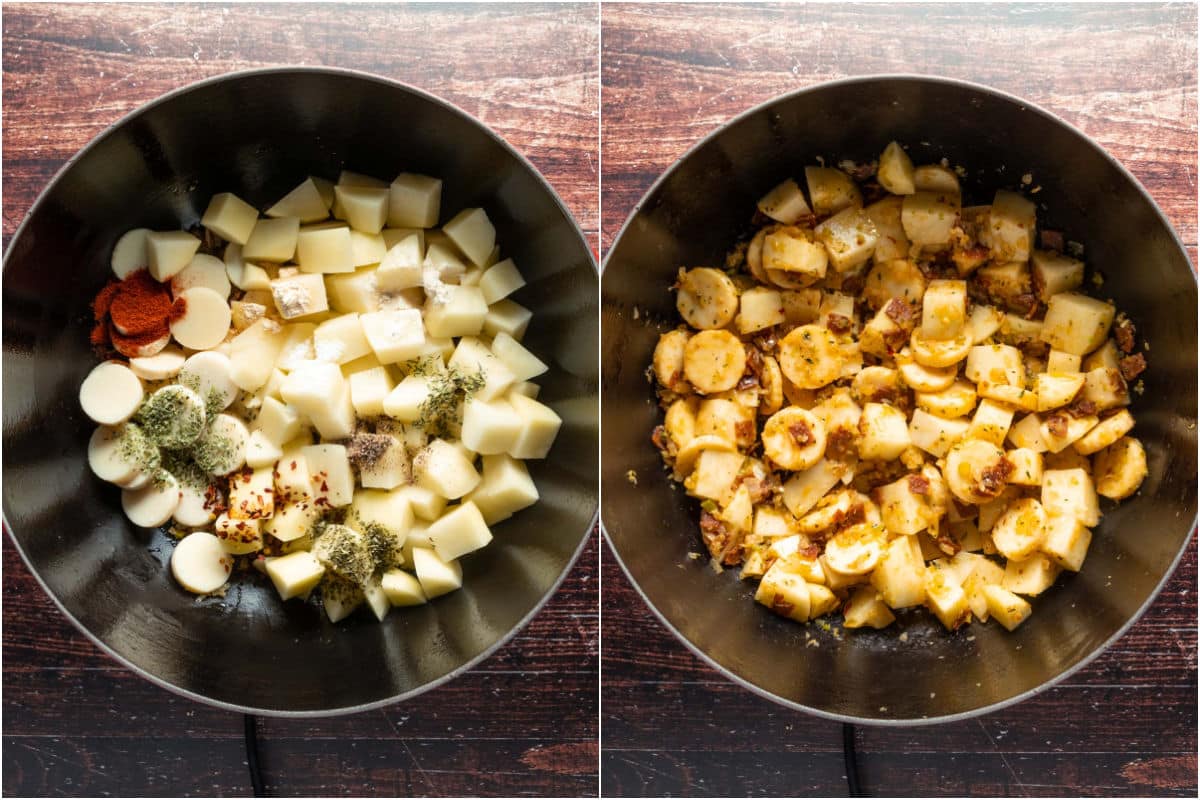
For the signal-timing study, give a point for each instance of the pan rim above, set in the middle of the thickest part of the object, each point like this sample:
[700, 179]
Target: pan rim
[727, 672]
[204, 83]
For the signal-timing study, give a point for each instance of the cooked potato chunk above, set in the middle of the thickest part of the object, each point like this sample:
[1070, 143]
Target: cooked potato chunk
[896, 170]
[1076, 323]
[929, 217]
[1120, 468]
[706, 298]
[794, 438]
[849, 237]
[785, 203]
[1011, 225]
[794, 252]
[713, 361]
[831, 190]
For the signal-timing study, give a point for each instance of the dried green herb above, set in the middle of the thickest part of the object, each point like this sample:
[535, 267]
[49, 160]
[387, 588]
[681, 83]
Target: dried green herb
[447, 391]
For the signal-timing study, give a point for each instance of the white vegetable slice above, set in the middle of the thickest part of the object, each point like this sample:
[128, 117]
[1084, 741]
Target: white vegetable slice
[205, 320]
[193, 510]
[707, 298]
[111, 393]
[210, 375]
[794, 438]
[856, 550]
[132, 349]
[223, 446]
[175, 416]
[810, 357]
[106, 458]
[160, 366]
[242, 273]
[976, 471]
[200, 564]
[1020, 529]
[129, 254]
[295, 574]
[204, 270]
[714, 361]
[152, 505]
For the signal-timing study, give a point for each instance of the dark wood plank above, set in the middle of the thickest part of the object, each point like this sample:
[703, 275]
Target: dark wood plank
[522, 723]
[1127, 76]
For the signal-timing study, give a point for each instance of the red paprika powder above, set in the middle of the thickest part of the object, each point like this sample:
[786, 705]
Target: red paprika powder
[131, 314]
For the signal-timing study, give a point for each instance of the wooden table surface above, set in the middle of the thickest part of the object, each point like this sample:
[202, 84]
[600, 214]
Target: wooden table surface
[1126, 76]
[525, 720]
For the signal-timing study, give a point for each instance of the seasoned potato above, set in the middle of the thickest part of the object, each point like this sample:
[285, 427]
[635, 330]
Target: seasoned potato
[831, 190]
[1054, 273]
[892, 242]
[929, 217]
[668, 360]
[794, 251]
[1076, 323]
[713, 361]
[810, 357]
[849, 237]
[706, 298]
[1120, 468]
[896, 170]
[785, 203]
[794, 438]
[935, 178]
[760, 308]
[1011, 225]
[900, 278]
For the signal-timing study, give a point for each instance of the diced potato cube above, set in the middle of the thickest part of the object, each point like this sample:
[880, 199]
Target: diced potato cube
[343, 551]
[1066, 542]
[946, 600]
[904, 511]
[1105, 388]
[1020, 530]
[253, 352]
[983, 322]
[402, 266]
[168, 252]
[866, 609]
[405, 401]
[506, 488]
[473, 233]
[761, 307]
[426, 503]
[896, 170]
[299, 295]
[821, 601]
[364, 207]
[1011, 225]
[1054, 273]
[1057, 390]
[252, 494]
[318, 390]
[884, 432]
[900, 575]
[462, 312]
[1060, 429]
[389, 468]
[1076, 323]
[849, 238]
[1105, 356]
[297, 346]
[437, 577]
[1106, 432]
[376, 597]
[785, 594]
[293, 483]
[261, 451]
[1016, 396]
[340, 340]
[395, 336]
[304, 202]
[414, 202]
[292, 522]
[1027, 466]
[523, 364]
[991, 422]
[831, 190]
[893, 243]
[995, 363]
[368, 248]
[500, 280]
[331, 474]
[802, 491]
[1070, 492]
[459, 531]
[791, 250]
[936, 435]
[325, 248]
[507, 316]
[929, 217]
[230, 217]
[368, 389]
[714, 474]
[402, 588]
[944, 309]
[491, 427]
[277, 422]
[936, 178]
[785, 203]
[272, 240]
[295, 574]
[442, 468]
[1030, 577]
[541, 426]
[391, 510]
[1008, 609]
[1027, 434]
[1060, 363]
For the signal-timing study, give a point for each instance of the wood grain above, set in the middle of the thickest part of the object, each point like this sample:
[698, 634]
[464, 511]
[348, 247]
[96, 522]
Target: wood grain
[524, 722]
[1126, 75]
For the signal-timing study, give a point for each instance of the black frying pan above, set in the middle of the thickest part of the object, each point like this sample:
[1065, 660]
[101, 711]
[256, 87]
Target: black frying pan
[703, 204]
[258, 134]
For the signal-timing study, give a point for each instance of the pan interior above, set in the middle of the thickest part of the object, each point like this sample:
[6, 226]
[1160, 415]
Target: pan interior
[692, 217]
[258, 135]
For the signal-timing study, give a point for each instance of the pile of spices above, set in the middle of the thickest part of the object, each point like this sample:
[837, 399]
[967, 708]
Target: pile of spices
[132, 315]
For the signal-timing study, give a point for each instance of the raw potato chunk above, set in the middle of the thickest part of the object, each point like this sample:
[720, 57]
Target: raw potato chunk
[168, 252]
[462, 313]
[849, 237]
[472, 356]
[785, 203]
[437, 577]
[414, 201]
[402, 588]
[340, 340]
[1054, 273]
[791, 253]
[293, 483]
[459, 531]
[929, 217]
[1105, 433]
[277, 422]
[1011, 226]
[1120, 468]
[395, 336]
[403, 266]
[761, 308]
[472, 233]
[706, 298]
[1066, 542]
[260, 451]
[295, 574]
[389, 469]
[368, 389]
[714, 361]
[252, 494]
[318, 390]
[272, 240]
[523, 364]
[490, 427]
[1005, 607]
[1070, 492]
[441, 467]
[331, 474]
[325, 248]
[831, 190]
[230, 217]
[299, 296]
[896, 170]
[367, 248]
[292, 523]
[507, 316]
[1076, 323]
[506, 488]
[239, 536]
[242, 274]
[365, 208]
[540, 427]
[304, 202]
